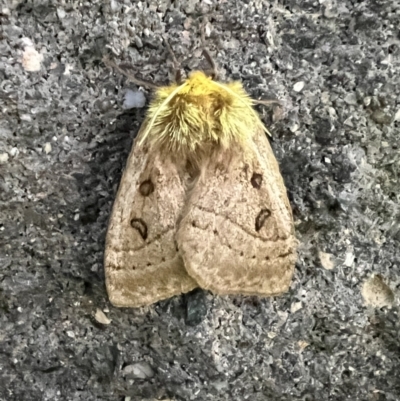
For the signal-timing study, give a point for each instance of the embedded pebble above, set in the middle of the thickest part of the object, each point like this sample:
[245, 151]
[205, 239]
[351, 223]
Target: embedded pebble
[101, 317]
[327, 260]
[47, 148]
[31, 59]
[298, 86]
[376, 292]
[133, 99]
[140, 370]
[3, 158]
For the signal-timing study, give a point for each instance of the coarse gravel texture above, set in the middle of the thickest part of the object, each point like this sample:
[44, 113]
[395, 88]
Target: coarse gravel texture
[65, 137]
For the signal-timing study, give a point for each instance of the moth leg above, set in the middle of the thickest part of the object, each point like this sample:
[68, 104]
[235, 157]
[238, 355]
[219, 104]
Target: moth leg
[268, 103]
[140, 82]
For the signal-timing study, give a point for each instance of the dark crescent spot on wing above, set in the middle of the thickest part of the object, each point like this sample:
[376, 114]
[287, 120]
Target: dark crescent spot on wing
[140, 226]
[256, 180]
[146, 188]
[262, 218]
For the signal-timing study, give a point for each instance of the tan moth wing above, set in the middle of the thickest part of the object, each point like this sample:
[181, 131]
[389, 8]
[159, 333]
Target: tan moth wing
[142, 265]
[237, 233]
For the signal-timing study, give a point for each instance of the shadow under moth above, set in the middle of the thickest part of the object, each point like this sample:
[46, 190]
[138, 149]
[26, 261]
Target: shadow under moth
[201, 202]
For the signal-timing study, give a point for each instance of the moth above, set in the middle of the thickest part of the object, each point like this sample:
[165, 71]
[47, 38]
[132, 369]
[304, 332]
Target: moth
[201, 202]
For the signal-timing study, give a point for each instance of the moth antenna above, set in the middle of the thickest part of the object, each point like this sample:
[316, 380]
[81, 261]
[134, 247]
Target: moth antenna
[206, 54]
[171, 53]
[178, 76]
[210, 60]
[177, 64]
[203, 32]
[111, 64]
[268, 102]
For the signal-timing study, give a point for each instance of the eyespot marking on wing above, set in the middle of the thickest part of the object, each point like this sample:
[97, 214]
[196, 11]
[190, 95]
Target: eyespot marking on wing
[256, 180]
[262, 218]
[140, 226]
[146, 188]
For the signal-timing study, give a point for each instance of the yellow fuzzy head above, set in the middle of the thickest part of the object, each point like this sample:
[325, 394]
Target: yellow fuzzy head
[201, 112]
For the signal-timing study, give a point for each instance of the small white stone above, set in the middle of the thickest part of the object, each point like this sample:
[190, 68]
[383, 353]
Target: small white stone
[303, 344]
[351, 99]
[140, 370]
[295, 307]
[298, 86]
[61, 13]
[220, 385]
[3, 157]
[70, 334]
[14, 152]
[367, 101]
[26, 42]
[293, 128]
[47, 148]
[349, 259]
[68, 68]
[327, 260]
[31, 59]
[397, 115]
[270, 38]
[208, 29]
[101, 317]
[133, 99]
[114, 5]
[325, 98]
[332, 112]
[25, 117]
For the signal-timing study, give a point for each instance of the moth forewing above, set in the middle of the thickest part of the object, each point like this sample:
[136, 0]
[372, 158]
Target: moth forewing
[142, 265]
[237, 233]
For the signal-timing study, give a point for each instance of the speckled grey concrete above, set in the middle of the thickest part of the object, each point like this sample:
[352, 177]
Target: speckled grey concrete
[64, 138]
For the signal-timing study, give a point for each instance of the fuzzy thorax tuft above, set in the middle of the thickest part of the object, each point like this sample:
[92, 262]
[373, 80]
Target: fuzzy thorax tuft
[200, 114]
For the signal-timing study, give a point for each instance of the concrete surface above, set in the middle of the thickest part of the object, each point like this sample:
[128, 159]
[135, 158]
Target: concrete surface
[65, 136]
